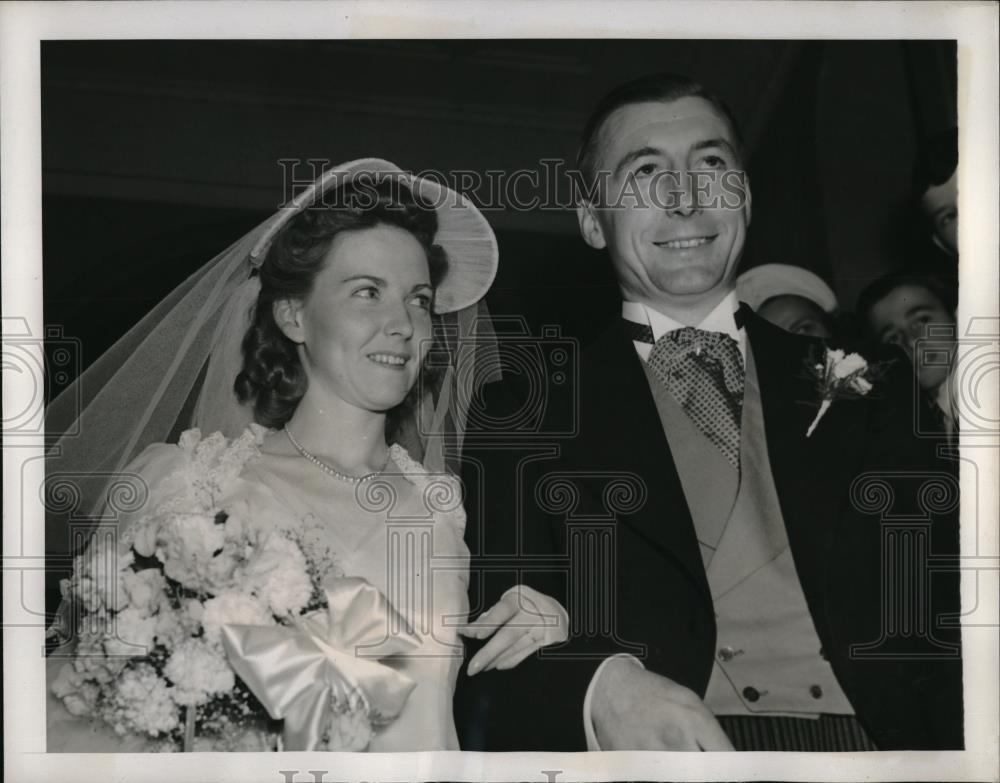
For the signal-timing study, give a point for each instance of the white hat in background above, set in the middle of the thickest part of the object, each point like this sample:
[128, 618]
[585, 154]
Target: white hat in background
[761, 283]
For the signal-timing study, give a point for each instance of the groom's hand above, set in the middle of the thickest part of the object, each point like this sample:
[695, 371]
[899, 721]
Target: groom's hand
[634, 709]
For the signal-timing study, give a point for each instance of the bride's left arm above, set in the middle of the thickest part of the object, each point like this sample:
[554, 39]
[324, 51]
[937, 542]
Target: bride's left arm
[521, 622]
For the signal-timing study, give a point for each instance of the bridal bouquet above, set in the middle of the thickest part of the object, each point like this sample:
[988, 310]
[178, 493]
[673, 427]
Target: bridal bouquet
[165, 619]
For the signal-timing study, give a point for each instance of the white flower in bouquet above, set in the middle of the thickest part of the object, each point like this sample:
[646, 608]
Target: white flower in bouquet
[247, 523]
[277, 573]
[218, 574]
[90, 659]
[144, 590]
[97, 576]
[191, 549]
[188, 537]
[238, 739]
[233, 609]
[193, 612]
[172, 626]
[78, 694]
[141, 701]
[143, 535]
[198, 671]
[132, 634]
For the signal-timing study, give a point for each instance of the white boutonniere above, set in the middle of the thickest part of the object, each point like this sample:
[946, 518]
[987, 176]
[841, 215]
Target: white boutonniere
[840, 376]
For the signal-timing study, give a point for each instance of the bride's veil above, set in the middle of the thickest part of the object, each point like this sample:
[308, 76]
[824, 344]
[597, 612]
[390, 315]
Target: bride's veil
[175, 368]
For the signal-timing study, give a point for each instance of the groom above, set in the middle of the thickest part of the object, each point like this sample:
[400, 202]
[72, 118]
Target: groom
[731, 580]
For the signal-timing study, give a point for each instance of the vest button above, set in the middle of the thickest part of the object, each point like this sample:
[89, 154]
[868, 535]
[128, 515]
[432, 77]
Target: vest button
[750, 693]
[816, 692]
[726, 654]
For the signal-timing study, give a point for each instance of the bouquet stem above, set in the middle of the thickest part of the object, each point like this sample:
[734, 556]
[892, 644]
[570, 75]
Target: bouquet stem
[189, 718]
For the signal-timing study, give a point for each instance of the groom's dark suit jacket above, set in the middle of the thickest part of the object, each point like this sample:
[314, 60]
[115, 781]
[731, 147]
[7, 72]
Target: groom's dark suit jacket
[898, 663]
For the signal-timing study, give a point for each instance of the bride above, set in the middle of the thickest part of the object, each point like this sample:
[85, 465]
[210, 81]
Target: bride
[306, 567]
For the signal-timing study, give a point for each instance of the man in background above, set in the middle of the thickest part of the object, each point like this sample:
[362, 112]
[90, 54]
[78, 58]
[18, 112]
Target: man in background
[911, 310]
[937, 184]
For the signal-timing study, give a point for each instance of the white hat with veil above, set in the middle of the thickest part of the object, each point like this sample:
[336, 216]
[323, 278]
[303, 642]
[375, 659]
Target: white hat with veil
[175, 369]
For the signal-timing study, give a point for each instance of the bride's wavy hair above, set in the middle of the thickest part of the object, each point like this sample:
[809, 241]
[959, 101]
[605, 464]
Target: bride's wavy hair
[273, 378]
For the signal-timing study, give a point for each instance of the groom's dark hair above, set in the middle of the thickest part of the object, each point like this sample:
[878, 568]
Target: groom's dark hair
[657, 87]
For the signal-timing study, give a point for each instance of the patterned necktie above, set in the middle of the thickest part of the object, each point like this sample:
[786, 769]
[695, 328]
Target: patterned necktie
[704, 372]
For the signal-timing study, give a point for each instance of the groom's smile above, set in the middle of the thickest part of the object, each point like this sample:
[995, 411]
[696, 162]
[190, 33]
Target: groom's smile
[686, 243]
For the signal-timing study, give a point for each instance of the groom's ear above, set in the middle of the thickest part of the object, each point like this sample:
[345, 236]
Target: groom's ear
[590, 226]
[288, 316]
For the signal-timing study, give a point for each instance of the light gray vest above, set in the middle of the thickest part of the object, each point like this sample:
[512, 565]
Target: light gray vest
[768, 658]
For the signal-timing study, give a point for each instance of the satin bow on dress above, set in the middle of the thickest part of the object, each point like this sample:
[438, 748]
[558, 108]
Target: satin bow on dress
[329, 658]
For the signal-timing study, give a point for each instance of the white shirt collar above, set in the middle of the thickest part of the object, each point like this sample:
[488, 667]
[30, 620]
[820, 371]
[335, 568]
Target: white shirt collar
[721, 319]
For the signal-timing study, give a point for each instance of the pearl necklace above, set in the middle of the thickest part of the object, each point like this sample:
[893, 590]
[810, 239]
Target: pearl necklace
[332, 471]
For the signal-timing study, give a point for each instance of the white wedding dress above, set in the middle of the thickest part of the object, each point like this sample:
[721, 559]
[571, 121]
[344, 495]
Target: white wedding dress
[402, 532]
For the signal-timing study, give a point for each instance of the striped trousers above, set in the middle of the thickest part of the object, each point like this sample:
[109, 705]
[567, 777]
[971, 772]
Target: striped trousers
[767, 732]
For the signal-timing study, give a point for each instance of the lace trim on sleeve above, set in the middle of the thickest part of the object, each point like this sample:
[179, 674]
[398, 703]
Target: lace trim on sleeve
[442, 492]
[208, 470]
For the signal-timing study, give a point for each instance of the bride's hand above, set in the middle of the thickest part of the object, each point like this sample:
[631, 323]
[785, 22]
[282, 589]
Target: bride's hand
[522, 621]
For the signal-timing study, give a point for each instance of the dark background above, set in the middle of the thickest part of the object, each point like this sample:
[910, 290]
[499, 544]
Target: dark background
[158, 154]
